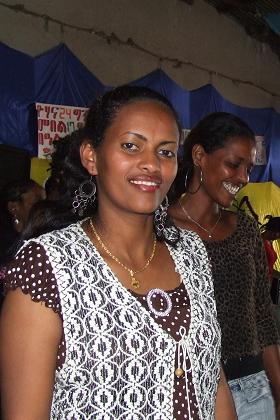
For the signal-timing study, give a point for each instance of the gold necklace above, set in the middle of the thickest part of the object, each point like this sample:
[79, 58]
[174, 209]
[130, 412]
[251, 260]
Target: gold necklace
[209, 231]
[134, 282]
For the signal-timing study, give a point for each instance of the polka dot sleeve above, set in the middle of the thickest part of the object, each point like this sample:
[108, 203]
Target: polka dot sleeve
[32, 272]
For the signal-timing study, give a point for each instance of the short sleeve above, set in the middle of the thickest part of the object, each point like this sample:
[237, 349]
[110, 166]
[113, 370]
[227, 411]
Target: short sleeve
[32, 272]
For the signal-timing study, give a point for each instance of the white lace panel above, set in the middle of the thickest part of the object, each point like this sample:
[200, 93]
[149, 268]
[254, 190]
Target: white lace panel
[119, 362]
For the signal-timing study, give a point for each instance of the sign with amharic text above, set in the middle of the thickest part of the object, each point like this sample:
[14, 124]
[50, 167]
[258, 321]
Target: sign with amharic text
[54, 122]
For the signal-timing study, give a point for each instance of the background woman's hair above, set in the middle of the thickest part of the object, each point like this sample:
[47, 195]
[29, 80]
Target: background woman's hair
[13, 191]
[212, 132]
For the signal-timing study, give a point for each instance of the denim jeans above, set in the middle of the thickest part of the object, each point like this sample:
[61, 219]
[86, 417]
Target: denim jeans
[252, 397]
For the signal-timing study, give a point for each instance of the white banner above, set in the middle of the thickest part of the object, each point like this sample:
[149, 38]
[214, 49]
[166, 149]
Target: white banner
[260, 151]
[55, 121]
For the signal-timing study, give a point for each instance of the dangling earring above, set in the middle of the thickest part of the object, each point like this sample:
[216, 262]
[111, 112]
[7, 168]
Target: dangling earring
[84, 196]
[160, 216]
[200, 182]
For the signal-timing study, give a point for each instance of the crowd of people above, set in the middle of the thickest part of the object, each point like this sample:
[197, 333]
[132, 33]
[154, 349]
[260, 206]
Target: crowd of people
[131, 291]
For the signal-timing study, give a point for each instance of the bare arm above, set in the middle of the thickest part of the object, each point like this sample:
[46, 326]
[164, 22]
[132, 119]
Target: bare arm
[224, 402]
[271, 359]
[29, 337]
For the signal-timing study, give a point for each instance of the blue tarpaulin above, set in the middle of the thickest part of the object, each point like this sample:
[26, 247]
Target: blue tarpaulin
[58, 77]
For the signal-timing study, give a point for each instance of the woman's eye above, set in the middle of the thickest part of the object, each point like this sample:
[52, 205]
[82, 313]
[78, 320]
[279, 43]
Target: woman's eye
[167, 153]
[129, 146]
[233, 165]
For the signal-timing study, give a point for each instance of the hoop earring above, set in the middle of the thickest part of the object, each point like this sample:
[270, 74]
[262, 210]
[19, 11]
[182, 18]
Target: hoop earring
[200, 182]
[161, 216]
[84, 196]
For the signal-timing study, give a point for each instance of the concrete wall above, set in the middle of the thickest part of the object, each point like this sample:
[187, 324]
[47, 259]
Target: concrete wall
[122, 40]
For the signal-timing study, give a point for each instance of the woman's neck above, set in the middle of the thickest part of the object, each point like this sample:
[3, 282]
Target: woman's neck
[129, 235]
[200, 207]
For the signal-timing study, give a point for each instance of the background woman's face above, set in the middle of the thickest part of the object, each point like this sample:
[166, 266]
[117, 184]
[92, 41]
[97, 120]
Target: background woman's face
[137, 160]
[227, 170]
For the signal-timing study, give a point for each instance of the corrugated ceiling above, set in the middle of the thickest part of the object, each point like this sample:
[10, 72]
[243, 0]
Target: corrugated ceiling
[253, 15]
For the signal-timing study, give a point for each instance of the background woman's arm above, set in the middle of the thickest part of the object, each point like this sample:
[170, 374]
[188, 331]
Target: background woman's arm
[271, 360]
[30, 335]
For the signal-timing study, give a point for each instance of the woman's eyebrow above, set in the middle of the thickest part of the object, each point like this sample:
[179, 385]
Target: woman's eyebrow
[141, 137]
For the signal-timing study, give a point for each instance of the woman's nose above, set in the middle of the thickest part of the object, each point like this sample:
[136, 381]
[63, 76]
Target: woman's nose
[243, 175]
[150, 162]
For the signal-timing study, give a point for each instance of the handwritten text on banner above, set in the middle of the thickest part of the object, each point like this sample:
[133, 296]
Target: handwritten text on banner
[55, 121]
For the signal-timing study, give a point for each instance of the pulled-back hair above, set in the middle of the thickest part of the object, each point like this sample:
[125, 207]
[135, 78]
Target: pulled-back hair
[105, 109]
[213, 132]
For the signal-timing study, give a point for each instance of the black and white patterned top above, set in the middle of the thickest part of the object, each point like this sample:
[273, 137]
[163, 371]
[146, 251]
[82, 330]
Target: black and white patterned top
[117, 359]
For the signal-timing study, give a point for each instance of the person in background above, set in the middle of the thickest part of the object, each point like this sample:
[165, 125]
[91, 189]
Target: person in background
[128, 327]
[270, 232]
[56, 210]
[218, 156]
[16, 200]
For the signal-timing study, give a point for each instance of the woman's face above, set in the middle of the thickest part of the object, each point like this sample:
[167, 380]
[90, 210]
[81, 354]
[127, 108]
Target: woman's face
[227, 170]
[137, 161]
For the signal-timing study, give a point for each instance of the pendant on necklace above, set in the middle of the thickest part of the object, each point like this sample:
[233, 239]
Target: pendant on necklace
[134, 282]
[209, 236]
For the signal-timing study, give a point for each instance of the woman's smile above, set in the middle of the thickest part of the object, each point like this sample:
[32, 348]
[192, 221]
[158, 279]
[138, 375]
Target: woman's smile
[147, 184]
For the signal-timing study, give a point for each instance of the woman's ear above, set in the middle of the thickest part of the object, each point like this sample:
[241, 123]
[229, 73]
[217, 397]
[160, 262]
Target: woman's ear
[13, 208]
[198, 153]
[88, 158]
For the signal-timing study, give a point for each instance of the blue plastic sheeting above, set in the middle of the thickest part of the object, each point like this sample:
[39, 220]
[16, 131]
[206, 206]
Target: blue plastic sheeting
[16, 99]
[180, 98]
[273, 21]
[55, 77]
[58, 77]
[61, 79]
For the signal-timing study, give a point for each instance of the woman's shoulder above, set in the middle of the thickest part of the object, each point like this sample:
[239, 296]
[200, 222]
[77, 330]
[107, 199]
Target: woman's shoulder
[31, 271]
[182, 235]
[190, 244]
[247, 222]
[241, 219]
[69, 233]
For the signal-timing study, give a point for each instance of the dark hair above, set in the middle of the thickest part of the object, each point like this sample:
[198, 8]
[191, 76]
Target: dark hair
[13, 191]
[106, 107]
[67, 170]
[213, 132]
[43, 215]
[272, 225]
